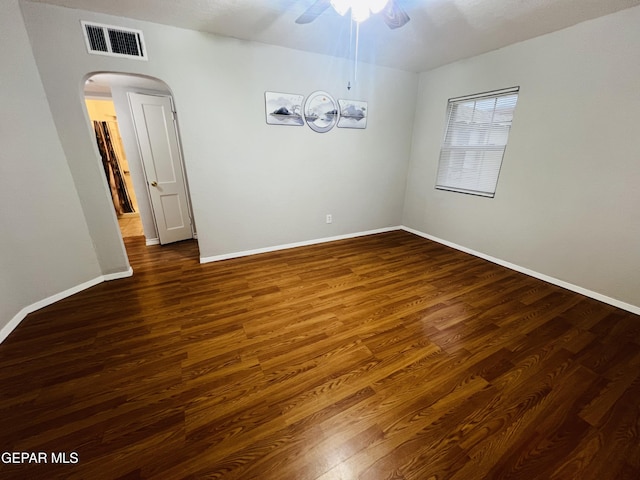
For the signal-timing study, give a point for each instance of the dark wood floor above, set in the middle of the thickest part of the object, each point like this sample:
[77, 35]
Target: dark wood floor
[380, 357]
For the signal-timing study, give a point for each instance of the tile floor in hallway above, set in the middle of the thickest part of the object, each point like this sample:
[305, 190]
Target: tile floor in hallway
[130, 225]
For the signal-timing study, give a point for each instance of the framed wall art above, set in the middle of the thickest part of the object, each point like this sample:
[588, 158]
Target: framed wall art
[283, 108]
[353, 114]
[320, 111]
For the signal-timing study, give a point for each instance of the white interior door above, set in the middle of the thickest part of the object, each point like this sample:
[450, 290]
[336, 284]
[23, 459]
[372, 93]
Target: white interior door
[153, 119]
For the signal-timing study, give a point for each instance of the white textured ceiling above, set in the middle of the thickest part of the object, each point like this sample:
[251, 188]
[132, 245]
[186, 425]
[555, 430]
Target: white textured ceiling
[440, 31]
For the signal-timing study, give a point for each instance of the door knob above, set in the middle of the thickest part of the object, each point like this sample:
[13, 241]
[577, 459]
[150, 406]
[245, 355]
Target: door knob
[154, 184]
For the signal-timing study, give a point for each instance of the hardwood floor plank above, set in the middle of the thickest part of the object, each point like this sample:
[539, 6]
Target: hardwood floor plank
[381, 357]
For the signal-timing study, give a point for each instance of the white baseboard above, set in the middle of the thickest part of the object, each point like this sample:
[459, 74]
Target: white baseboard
[156, 241]
[6, 330]
[245, 253]
[15, 321]
[118, 275]
[541, 276]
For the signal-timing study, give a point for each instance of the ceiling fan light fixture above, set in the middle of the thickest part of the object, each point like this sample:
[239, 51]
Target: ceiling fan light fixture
[390, 11]
[341, 6]
[376, 6]
[360, 11]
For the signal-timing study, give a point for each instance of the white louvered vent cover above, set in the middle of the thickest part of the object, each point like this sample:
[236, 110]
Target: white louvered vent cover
[114, 41]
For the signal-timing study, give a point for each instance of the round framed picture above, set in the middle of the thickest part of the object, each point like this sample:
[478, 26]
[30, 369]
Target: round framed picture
[320, 111]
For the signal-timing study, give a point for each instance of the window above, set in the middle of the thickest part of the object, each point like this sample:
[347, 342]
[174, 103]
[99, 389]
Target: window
[474, 143]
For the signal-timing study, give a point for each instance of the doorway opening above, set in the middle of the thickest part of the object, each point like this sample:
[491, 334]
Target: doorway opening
[102, 114]
[133, 117]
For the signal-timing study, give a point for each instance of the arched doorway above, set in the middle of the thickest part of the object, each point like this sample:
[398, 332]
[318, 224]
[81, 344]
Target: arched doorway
[148, 200]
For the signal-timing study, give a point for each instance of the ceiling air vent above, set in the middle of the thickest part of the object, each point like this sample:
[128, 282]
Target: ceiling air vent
[114, 41]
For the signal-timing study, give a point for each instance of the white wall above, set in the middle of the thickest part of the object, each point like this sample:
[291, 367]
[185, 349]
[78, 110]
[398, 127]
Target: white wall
[45, 247]
[568, 198]
[252, 185]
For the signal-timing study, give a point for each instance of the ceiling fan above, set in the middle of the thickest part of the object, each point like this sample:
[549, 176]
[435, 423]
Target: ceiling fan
[392, 14]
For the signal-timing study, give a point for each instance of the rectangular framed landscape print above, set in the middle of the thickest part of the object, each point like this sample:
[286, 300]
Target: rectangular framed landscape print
[283, 108]
[353, 114]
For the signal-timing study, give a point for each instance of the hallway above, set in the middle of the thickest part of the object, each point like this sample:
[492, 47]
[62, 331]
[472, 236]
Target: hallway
[130, 225]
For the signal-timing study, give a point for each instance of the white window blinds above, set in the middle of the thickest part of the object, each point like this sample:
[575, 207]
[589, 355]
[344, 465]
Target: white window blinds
[474, 143]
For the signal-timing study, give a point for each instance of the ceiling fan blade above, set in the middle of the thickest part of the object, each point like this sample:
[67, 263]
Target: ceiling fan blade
[393, 15]
[313, 11]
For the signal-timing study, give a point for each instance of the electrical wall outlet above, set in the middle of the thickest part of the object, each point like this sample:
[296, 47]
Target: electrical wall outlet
[329, 218]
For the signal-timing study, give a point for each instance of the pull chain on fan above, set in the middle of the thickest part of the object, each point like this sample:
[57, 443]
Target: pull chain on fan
[355, 56]
[353, 50]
